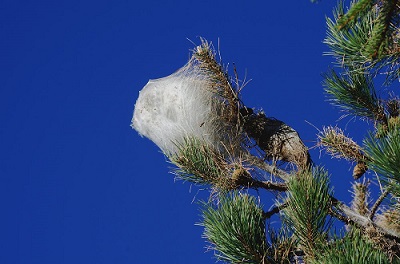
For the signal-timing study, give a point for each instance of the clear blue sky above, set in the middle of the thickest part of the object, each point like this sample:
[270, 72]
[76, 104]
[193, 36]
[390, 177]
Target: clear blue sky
[77, 184]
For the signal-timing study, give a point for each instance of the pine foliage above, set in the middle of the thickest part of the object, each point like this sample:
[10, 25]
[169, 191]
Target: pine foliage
[366, 37]
[353, 93]
[236, 229]
[352, 248]
[361, 196]
[309, 203]
[385, 157]
[200, 163]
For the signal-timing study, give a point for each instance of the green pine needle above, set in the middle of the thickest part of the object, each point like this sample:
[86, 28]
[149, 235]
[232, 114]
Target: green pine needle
[202, 164]
[236, 229]
[366, 37]
[308, 206]
[384, 156]
[357, 9]
[352, 248]
[348, 45]
[354, 94]
[376, 45]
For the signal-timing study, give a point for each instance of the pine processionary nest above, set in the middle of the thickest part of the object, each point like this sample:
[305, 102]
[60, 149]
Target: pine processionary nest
[181, 105]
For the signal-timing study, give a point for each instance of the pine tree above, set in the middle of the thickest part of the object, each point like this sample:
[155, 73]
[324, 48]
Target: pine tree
[199, 120]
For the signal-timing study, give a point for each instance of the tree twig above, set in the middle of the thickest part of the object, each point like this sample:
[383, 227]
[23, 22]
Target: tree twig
[249, 182]
[275, 210]
[268, 168]
[378, 203]
[269, 185]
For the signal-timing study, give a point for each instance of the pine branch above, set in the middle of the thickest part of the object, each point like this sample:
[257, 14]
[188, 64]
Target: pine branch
[243, 178]
[274, 210]
[278, 140]
[202, 165]
[267, 185]
[356, 219]
[213, 170]
[273, 170]
[377, 203]
[340, 216]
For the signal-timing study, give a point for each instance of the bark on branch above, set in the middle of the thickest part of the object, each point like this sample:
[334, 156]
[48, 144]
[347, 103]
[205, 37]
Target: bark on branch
[274, 210]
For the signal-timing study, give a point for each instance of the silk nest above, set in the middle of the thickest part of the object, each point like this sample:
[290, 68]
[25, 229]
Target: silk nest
[180, 106]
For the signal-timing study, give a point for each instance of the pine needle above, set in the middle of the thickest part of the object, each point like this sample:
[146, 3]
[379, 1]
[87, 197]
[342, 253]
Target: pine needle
[307, 211]
[236, 229]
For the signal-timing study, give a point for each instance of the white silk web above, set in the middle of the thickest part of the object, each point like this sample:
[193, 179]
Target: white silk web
[178, 106]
